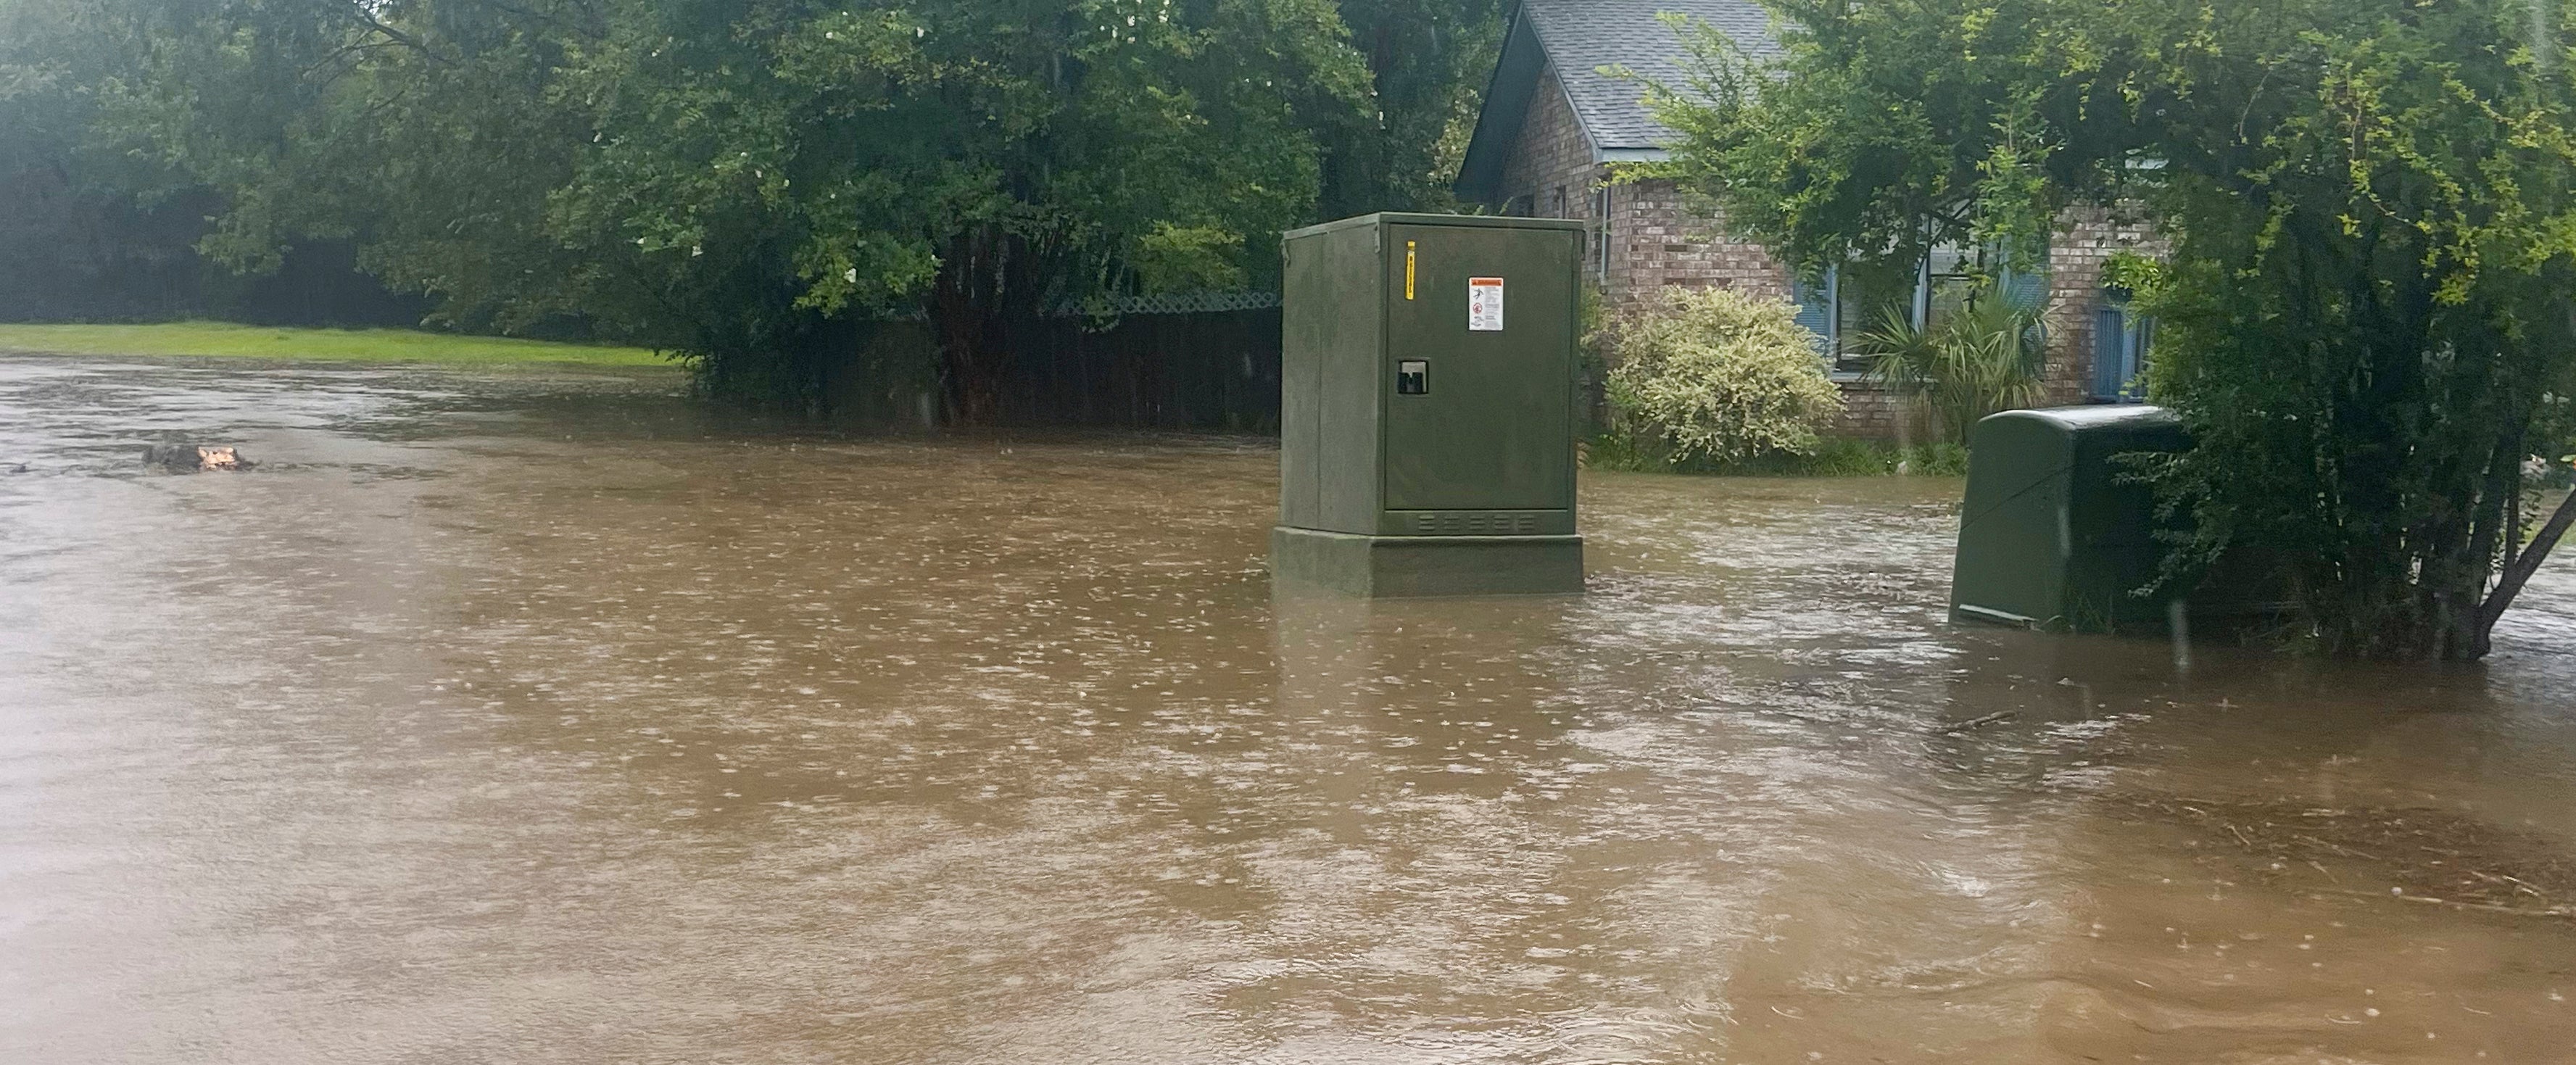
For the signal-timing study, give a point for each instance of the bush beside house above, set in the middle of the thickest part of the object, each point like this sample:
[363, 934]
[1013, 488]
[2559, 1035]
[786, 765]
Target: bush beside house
[1712, 378]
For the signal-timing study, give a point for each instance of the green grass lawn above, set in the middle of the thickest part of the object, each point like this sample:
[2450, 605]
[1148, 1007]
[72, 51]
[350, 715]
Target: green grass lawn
[224, 339]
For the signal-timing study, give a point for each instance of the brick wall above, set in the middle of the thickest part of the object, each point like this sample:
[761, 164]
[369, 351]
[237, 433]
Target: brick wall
[1552, 156]
[2086, 238]
[1659, 239]
[1874, 413]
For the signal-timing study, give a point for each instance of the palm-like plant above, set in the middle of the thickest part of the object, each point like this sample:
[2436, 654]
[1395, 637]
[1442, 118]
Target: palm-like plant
[1982, 359]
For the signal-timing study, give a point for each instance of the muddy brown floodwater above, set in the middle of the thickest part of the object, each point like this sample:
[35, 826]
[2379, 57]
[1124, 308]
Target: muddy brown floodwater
[536, 718]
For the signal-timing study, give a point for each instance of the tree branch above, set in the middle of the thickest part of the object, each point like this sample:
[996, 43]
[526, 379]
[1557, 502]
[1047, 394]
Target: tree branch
[368, 20]
[2524, 565]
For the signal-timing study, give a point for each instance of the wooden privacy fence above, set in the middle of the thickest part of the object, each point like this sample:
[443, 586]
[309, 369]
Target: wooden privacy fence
[1215, 370]
[1186, 367]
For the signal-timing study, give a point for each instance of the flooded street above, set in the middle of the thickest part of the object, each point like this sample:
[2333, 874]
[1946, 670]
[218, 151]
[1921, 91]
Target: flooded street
[539, 718]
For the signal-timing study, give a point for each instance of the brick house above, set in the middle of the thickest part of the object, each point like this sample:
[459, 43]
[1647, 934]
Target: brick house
[1556, 119]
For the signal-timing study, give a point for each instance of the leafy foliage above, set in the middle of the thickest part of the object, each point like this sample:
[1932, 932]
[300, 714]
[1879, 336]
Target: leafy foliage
[1899, 126]
[1427, 62]
[79, 223]
[2130, 271]
[743, 178]
[1716, 376]
[2372, 205]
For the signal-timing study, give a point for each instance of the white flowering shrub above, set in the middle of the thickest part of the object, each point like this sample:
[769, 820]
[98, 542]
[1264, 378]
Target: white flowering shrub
[1712, 377]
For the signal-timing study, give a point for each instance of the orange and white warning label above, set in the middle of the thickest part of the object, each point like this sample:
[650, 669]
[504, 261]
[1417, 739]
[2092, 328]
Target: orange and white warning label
[1485, 304]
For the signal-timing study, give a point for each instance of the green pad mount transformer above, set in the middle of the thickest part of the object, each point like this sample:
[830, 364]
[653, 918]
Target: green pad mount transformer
[2056, 534]
[1426, 430]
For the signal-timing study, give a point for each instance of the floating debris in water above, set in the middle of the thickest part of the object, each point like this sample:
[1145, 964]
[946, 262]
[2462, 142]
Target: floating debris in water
[189, 458]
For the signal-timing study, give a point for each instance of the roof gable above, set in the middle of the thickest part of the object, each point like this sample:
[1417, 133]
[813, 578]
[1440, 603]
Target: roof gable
[1579, 39]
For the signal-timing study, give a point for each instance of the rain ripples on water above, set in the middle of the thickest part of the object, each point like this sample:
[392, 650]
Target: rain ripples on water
[533, 717]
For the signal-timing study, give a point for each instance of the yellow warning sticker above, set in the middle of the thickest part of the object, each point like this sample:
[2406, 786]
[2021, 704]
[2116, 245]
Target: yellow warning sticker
[1408, 269]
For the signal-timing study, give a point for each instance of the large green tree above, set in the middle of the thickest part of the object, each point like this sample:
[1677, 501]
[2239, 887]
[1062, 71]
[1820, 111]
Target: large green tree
[741, 179]
[2366, 314]
[83, 230]
[728, 177]
[1427, 64]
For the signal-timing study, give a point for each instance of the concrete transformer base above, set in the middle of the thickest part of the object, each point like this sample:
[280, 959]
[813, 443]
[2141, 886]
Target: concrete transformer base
[1428, 565]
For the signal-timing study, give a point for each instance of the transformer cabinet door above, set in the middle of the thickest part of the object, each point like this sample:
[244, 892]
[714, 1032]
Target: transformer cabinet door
[1478, 384]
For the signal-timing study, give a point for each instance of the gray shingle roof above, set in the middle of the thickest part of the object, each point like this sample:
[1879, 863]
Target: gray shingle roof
[1579, 38]
[1582, 36]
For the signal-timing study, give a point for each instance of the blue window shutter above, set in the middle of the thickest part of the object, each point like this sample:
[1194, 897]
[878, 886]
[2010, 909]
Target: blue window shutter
[1816, 308]
[2111, 353]
[2142, 338]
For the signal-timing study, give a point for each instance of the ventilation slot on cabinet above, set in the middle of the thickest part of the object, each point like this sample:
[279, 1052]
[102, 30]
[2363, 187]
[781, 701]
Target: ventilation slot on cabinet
[1457, 524]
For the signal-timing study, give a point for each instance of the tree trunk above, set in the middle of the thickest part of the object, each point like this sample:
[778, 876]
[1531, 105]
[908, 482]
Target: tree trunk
[2493, 532]
[965, 311]
[2519, 571]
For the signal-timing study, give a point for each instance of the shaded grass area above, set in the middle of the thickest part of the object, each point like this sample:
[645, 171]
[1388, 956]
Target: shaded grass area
[228, 340]
[1833, 457]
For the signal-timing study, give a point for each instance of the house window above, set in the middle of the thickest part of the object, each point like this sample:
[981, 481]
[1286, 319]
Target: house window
[1556, 203]
[1948, 275]
[1850, 302]
[2121, 343]
[1819, 305]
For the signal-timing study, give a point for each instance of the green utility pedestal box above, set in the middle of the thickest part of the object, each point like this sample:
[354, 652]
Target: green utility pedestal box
[1426, 425]
[2056, 535]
